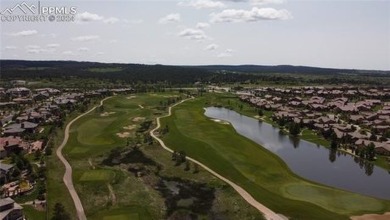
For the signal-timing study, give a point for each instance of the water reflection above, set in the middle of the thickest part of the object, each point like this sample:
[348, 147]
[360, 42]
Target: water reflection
[311, 161]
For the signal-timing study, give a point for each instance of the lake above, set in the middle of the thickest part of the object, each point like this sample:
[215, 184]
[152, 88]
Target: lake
[309, 160]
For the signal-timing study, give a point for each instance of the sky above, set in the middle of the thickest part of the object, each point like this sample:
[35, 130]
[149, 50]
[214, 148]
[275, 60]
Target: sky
[323, 33]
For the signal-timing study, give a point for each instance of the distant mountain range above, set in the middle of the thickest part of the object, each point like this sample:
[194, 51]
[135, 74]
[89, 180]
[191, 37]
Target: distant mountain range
[286, 69]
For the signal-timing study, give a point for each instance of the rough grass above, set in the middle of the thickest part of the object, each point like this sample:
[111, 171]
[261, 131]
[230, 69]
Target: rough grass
[97, 175]
[256, 169]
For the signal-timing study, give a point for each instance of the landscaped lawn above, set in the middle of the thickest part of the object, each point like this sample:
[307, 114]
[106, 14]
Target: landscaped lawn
[260, 172]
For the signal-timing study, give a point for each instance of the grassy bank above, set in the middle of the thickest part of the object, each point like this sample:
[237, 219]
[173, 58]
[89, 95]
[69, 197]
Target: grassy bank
[256, 169]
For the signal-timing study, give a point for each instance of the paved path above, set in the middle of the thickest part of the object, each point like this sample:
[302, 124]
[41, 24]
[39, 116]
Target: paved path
[268, 213]
[68, 169]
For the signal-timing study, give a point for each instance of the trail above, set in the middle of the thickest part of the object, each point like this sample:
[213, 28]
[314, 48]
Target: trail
[112, 194]
[268, 213]
[68, 169]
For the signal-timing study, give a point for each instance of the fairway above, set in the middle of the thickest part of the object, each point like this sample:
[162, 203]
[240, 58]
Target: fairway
[97, 175]
[261, 173]
[122, 217]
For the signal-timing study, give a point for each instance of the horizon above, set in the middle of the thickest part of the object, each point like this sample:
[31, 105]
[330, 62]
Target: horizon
[196, 65]
[324, 34]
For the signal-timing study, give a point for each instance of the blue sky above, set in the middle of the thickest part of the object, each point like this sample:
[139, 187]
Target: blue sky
[342, 34]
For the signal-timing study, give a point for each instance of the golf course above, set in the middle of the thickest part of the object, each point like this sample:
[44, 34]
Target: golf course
[265, 176]
[121, 173]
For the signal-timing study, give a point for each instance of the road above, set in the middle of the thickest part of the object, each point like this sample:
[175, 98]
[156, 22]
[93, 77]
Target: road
[68, 169]
[268, 213]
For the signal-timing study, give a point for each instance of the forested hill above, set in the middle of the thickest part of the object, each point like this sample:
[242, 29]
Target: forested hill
[13, 69]
[186, 75]
[287, 69]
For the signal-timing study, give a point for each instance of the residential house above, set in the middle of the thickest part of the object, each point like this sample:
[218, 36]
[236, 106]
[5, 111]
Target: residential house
[10, 210]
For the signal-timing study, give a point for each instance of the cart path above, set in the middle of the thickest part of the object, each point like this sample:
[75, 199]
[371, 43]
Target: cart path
[68, 169]
[268, 213]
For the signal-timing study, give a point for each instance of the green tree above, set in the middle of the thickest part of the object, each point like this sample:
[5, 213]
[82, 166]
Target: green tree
[60, 212]
[370, 151]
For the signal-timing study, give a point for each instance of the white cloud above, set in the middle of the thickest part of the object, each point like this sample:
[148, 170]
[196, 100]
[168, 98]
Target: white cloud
[211, 47]
[226, 53]
[193, 34]
[35, 49]
[265, 2]
[253, 15]
[87, 17]
[68, 52]
[52, 45]
[86, 38]
[170, 18]
[113, 41]
[201, 4]
[111, 20]
[100, 53]
[83, 49]
[10, 48]
[24, 33]
[202, 25]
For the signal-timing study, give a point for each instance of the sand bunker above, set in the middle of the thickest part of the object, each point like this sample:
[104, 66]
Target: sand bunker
[372, 217]
[105, 114]
[131, 97]
[129, 127]
[137, 119]
[220, 121]
[123, 134]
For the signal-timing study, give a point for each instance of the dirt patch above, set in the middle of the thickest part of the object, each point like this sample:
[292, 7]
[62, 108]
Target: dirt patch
[130, 127]
[372, 217]
[105, 114]
[123, 134]
[138, 119]
[131, 97]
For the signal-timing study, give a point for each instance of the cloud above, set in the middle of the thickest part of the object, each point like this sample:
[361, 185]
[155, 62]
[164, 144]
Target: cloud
[202, 25]
[68, 53]
[52, 45]
[201, 4]
[111, 20]
[87, 17]
[10, 48]
[113, 41]
[211, 47]
[35, 49]
[99, 53]
[83, 49]
[24, 33]
[253, 15]
[170, 18]
[86, 38]
[265, 2]
[193, 34]
[226, 53]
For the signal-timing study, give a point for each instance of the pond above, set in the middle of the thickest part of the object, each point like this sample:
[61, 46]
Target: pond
[309, 160]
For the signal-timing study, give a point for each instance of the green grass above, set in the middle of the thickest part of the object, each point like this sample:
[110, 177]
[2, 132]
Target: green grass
[32, 214]
[125, 213]
[97, 175]
[260, 172]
